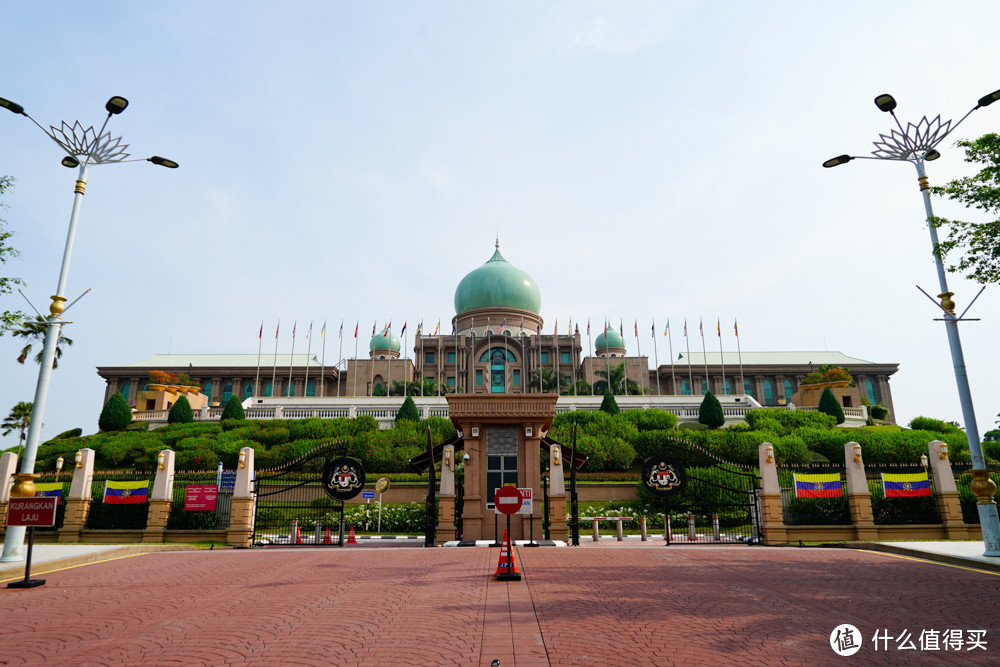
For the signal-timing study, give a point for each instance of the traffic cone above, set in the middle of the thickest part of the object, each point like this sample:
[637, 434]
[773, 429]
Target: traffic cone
[350, 537]
[327, 537]
[296, 535]
[507, 556]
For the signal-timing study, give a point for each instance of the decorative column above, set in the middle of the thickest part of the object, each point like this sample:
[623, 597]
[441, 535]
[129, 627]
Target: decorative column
[859, 498]
[80, 497]
[558, 530]
[161, 499]
[446, 497]
[945, 492]
[8, 466]
[241, 517]
[772, 519]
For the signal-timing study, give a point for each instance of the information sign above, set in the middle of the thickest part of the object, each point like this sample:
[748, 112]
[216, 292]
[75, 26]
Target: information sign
[200, 498]
[525, 501]
[32, 511]
[228, 479]
[507, 500]
[368, 494]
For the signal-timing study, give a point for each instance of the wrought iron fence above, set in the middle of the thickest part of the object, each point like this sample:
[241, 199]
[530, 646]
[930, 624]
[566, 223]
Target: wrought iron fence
[104, 515]
[812, 511]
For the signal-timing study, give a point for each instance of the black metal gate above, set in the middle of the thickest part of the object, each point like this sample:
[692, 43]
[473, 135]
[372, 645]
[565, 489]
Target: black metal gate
[719, 502]
[292, 508]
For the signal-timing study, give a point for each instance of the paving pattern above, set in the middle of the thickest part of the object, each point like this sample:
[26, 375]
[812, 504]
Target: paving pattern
[643, 604]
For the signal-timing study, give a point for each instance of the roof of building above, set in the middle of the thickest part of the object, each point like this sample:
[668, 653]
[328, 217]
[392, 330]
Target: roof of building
[497, 284]
[614, 340]
[159, 361]
[817, 359]
[385, 340]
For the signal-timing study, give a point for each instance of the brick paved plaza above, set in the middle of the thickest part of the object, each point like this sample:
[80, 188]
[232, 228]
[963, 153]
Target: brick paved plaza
[639, 604]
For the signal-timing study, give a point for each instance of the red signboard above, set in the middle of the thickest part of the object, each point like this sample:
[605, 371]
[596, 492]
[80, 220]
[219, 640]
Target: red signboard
[32, 511]
[200, 497]
[507, 500]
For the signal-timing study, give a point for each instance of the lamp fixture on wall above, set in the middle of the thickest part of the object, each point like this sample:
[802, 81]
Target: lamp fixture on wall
[556, 456]
[159, 461]
[924, 461]
[59, 464]
[770, 454]
[857, 453]
[944, 452]
[79, 459]
[243, 459]
[447, 458]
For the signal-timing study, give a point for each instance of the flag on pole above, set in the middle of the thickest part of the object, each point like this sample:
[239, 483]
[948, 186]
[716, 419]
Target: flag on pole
[403, 330]
[437, 328]
[901, 485]
[453, 330]
[718, 327]
[48, 489]
[277, 329]
[685, 328]
[322, 332]
[356, 323]
[666, 329]
[503, 325]
[588, 326]
[555, 331]
[636, 328]
[817, 486]
[701, 329]
[260, 334]
[374, 324]
[125, 493]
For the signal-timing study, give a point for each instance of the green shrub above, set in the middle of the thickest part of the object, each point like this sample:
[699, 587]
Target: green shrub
[233, 410]
[408, 412]
[651, 420]
[936, 425]
[710, 411]
[609, 405]
[116, 414]
[784, 421]
[181, 412]
[879, 412]
[72, 433]
[828, 404]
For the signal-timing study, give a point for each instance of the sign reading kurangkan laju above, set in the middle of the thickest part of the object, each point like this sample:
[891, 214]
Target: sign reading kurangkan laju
[32, 511]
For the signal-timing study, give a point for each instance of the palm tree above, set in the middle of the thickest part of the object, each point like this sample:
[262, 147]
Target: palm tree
[33, 330]
[619, 381]
[18, 419]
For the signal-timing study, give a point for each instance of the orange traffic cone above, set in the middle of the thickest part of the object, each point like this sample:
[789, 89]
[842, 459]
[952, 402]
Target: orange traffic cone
[327, 537]
[296, 535]
[506, 567]
[350, 537]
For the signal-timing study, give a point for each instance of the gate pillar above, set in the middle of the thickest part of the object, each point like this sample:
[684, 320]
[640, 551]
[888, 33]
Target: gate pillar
[558, 530]
[772, 519]
[161, 499]
[859, 498]
[946, 493]
[446, 497]
[79, 498]
[241, 518]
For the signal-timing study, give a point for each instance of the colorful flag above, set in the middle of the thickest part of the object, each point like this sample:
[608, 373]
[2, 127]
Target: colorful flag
[260, 334]
[701, 329]
[903, 485]
[666, 329]
[403, 330]
[356, 324]
[437, 328]
[48, 489]
[125, 493]
[322, 332]
[295, 326]
[277, 329]
[555, 331]
[373, 328]
[718, 327]
[636, 328]
[736, 329]
[685, 328]
[817, 486]
[453, 330]
[588, 326]
[503, 325]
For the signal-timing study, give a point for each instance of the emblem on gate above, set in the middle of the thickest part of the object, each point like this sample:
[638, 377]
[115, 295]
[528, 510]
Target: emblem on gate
[663, 476]
[343, 478]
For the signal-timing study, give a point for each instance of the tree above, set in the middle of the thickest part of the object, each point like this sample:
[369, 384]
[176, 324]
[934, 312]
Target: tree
[979, 243]
[408, 412]
[181, 413]
[116, 414]
[233, 410]
[828, 404]
[8, 318]
[33, 330]
[609, 404]
[18, 419]
[549, 381]
[619, 381]
[710, 412]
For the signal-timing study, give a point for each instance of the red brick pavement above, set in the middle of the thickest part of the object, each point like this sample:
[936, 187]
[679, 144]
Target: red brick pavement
[608, 605]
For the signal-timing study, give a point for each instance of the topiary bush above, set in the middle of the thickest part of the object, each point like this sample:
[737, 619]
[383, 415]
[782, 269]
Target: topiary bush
[828, 404]
[408, 412]
[651, 420]
[936, 425]
[233, 410]
[710, 412]
[115, 415]
[181, 412]
[609, 405]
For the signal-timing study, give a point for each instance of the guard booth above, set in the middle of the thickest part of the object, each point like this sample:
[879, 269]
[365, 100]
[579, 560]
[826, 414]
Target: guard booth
[499, 443]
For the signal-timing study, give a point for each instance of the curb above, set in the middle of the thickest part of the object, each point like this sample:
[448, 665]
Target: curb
[14, 570]
[916, 553]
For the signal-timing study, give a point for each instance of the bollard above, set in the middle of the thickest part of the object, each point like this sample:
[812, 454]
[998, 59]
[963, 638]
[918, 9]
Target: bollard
[715, 527]
[642, 528]
[597, 536]
[319, 532]
[691, 534]
[621, 535]
[668, 532]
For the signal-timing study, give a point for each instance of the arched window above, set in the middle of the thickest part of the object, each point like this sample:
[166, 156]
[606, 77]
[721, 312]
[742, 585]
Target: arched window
[247, 390]
[788, 391]
[268, 388]
[685, 388]
[870, 390]
[311, 388]
[489, 355]
[290, 389]
[747, 388]
[227, 392]
[126, 388]
[729, 387]
[207, 390]
[704, 387]
[769, 393]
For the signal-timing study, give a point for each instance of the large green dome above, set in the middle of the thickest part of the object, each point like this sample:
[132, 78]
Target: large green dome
[385, 342]
[497, 284]
[613, 339]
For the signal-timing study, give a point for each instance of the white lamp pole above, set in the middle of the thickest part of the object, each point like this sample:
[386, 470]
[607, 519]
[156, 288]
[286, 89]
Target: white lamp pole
[94, 148]
[917, 144]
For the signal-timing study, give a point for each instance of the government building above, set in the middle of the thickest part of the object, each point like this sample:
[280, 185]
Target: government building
[497, 345]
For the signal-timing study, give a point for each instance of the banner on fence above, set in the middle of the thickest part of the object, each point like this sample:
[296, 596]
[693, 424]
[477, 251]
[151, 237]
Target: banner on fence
[48, 489]
[124, 493]
[200, 497]
[817, 486]
[905, 485]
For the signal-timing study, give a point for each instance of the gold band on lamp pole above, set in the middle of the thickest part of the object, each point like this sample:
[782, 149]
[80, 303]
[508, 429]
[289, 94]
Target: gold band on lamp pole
[81, 185]
[58, 305]
[24, 485]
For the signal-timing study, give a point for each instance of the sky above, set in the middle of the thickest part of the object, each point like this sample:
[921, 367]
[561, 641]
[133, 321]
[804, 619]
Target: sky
[352, 161]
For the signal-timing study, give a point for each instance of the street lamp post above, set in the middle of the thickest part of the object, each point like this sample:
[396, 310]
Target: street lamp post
[917, 144]
[83, 148]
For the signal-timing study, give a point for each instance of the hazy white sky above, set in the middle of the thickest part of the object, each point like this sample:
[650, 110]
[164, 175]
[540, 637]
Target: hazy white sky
[355, 160]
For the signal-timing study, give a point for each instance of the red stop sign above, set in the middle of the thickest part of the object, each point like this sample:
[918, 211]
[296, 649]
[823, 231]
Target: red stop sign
[507, 500]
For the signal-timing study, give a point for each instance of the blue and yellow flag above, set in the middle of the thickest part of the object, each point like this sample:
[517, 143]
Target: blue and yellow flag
[124, 493]
[48, 489]
[817, 486]
[905, 485]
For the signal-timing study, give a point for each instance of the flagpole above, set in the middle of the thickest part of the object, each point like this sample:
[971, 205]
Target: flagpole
[371, 382]
[260, 345]
[406, 385]
[673, 376]
[590, 344]
[572, 355]
[291, 361]
[357, 323]
[607, 363]
[322, 359]
[274, 369]
[638, 349]
[687, 341]
[420, 332]
[704, 354]
[387, 334]
[743, 386]
[440, 361]
[538, 337]
[656, 358]
[305, 386]
[555, 342]
[621, 330]
[504, 336]
[722, 362]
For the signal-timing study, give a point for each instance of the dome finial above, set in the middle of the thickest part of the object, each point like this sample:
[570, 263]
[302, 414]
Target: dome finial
[498, 241]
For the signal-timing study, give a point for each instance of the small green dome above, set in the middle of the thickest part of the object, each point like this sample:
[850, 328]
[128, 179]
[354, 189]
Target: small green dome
[497, 284]
[385, 342]
[614, 339]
